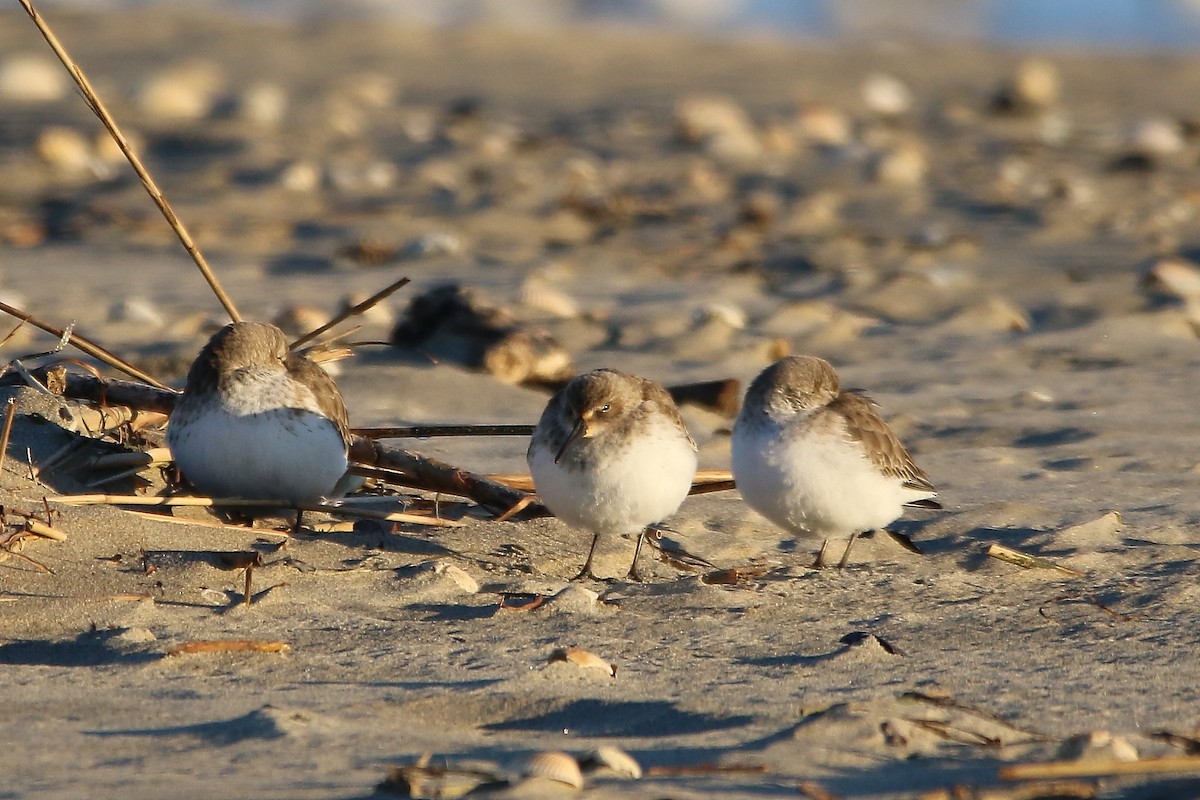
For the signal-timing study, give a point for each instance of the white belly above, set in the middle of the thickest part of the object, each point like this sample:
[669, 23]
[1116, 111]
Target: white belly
[639, 486]
[818, 486]
[288, 455]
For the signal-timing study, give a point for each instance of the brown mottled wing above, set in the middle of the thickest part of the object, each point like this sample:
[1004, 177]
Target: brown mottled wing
[883, 447]
[324, 389]
[654, 393]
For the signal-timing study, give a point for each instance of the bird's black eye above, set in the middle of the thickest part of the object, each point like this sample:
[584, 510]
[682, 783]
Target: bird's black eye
[604, 409]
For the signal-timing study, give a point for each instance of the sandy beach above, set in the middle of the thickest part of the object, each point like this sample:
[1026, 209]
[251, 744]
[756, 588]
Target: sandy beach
[997, 246]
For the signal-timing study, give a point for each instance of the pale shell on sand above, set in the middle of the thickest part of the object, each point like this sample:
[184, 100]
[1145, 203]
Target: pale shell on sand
[554, 765]
[614, 760]
[581, 658]
[32, 79]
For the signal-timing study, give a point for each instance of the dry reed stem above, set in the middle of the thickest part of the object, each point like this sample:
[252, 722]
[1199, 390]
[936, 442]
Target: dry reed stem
[431, 431]
[706, 480]
[1098, 768]
[91, 348]
[8, 421]
[229, 646]
[370, 302]
[110, 124]
[45, 531]
[1027, 561]
[240, 502]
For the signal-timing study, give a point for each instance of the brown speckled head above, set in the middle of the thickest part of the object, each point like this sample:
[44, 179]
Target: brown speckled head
[792, 385]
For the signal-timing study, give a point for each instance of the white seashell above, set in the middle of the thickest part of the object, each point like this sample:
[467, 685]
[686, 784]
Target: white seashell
[725, 313]
[457, 575]
[903, 165]
[135, 309]
[537, 293]
[298, 320]
[886, 95]
[300, 176]
[263, 103]
[719, 125]
[615, 760]
[1035, 83]
[436, 243]
[1174, 276]
[32, 79]
[581, 658]
[65, 149]
[183, 92]
[556, 766]
[824, 126]
[1155, 136]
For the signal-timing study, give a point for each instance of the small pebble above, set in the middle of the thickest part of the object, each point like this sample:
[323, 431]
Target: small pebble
[824, 126]
[263, 103]
[904, 165]
[65, 149]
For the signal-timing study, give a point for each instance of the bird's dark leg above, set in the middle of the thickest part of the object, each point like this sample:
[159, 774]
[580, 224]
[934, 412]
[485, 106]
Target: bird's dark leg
[846, 554]
[299, 522]
[820, 562]
[633, 574]
[586, 572]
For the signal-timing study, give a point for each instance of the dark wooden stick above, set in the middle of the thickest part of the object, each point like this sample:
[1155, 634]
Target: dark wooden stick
[437, 476]
[430, 431]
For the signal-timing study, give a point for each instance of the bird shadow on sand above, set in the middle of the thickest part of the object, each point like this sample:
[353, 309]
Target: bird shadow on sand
[595, 717]
[88, 649]
[263, 723]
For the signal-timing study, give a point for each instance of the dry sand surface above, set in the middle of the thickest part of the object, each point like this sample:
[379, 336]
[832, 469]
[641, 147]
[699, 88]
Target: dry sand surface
[679, 209]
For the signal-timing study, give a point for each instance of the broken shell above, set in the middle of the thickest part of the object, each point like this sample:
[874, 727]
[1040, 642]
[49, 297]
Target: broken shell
[1033, 86]
[537, 293]
[1173, 276]
[903, 165]
[824, 126]
[263, 103]
[184, 92]
[581, 658]
[1155, 137]
[554, 765]
[886, 95]
[615, 760]
[32, 79]
[65, 149]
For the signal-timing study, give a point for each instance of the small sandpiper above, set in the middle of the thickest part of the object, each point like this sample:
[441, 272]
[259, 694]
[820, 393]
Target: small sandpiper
[611, 455]
[257, 421]
[818, 461]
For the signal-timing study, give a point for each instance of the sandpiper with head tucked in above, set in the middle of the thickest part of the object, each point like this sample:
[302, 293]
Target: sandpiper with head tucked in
[611, 454]
[257, 421]
[818, 461]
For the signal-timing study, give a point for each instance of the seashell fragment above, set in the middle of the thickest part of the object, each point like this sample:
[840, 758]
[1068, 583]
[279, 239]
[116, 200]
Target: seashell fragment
[615, 760]
[581, 658]
[886, 95]
[823, 126]
[182, 93]
[64, 149]
[554, 765]
[32, 79]
[1098, 746]
[902, 165]
[718, 125]
[1173, 276]
[1033, 86]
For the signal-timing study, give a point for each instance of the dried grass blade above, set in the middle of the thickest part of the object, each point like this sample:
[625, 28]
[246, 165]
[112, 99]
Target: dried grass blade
[1027, 561]
[86, 345]
[229, 646]
[379, 296]
[431, 431]
[1097, 768]
[98, 108]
